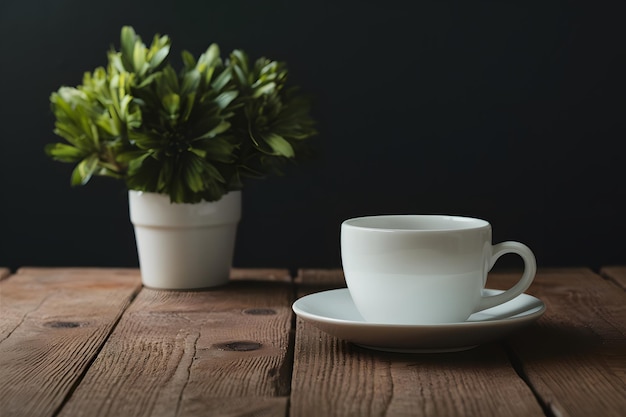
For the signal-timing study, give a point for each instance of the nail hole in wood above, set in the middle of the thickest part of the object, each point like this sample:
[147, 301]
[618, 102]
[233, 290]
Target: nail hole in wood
[260, 311]
[62, 324]
[242, 346]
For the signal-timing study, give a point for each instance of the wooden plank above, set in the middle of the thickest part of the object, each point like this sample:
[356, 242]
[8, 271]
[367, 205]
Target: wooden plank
[575, 357]
[334, 378]
[260, 274]
[322, 278]
[52, 324]
[616, 274]
[4, 273]
[222, 351]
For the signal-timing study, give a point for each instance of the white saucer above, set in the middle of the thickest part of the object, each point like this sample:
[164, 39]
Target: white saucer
[334, 313]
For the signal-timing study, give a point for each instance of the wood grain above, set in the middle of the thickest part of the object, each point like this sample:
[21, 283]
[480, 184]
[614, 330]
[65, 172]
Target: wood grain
[224, 351]
[260, 274]
[53, 322]
[92, 342]
[322, 278]
[334, 378]
[575, 357]
[616, 274]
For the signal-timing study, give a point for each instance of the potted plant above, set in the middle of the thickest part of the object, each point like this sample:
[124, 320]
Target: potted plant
[183, 142]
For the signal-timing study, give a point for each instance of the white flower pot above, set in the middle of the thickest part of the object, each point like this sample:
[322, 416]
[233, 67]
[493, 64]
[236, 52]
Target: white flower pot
[184, 246]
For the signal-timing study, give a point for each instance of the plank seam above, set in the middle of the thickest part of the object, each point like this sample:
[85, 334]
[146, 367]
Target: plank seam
[608, 277]
[518, 366]
[82, 375]
[291, 353]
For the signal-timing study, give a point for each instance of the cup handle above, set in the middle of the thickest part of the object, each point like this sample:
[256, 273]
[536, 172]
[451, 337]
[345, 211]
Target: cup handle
[530, 269]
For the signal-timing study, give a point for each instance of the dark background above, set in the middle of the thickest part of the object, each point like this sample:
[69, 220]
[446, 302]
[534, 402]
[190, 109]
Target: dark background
[509, 111]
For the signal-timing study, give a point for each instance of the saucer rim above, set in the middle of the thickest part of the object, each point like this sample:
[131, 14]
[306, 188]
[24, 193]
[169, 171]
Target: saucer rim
[530, 316]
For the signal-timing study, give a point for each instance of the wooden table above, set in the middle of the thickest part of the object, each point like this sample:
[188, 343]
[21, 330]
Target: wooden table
[93, 342]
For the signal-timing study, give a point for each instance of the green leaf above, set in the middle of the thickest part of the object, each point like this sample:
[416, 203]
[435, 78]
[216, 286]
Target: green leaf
[188, 59]
[224, 99]
[220, 127]
[159, 57]
[72, 134]
[241, 58]
[131, 157]
[192, 171]
[84, 170]
[189, 102]
[149, 80]
[222, 79]
[64, 153]
[218, 150]
[143, 174]
[128, 39]
[139, 58]
[191, 81]
[201, 153]
[168, 82]
[209, 58]
[241, 76]
[268, 88]
[279, 144]
[146, 140]
[171, 103]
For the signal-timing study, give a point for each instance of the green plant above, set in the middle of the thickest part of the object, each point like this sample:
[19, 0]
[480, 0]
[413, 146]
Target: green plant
[194, 134]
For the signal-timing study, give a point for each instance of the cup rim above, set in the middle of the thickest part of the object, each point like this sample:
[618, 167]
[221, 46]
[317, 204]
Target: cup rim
[466, 223]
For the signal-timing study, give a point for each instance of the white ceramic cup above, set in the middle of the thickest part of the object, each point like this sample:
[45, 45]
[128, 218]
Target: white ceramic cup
[424, 269]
